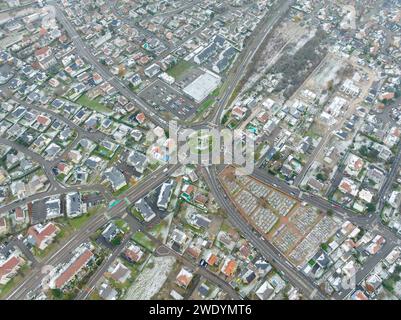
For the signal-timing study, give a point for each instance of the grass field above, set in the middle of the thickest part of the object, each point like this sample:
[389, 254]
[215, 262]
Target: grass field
[205, 104]
[143, 240]
[77, 222]
[179, 69]
[119, 192]
[93, 104]
[5, 289]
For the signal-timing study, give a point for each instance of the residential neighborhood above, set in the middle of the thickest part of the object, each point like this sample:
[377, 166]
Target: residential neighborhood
[200, 150]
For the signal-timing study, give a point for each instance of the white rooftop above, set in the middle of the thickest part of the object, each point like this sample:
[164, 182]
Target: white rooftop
[202, 86]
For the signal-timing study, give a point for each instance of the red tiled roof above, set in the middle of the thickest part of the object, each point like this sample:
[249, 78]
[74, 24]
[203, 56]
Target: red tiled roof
[132, 255]
[47, 231]
[140, 117]
[361, 296]
[19, 213]
[42, 119]
[346, 186]
[63, 38]
[41, 51]
[9, 266]
[238, 111]
[212, 260]
[200, 198]
[263, 117]
[184, 280]
[61, 166]
[230, 268]
[42, 31]
[73, 269]
[358, 164]
[194, 252]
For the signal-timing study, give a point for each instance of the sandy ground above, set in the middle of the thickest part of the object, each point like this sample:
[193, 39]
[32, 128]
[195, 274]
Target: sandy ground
[151, 280]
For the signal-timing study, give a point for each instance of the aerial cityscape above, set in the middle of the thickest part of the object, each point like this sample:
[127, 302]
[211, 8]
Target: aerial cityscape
[200, 150]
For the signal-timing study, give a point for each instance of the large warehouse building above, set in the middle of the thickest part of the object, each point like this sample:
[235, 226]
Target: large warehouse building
[202, 86]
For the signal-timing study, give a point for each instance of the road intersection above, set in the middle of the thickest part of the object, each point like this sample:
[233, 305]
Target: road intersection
[33, 281]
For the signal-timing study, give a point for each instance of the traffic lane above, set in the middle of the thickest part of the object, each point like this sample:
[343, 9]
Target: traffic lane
[266, 249]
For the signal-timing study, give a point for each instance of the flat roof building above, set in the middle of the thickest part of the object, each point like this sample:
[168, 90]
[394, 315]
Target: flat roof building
[202, 86]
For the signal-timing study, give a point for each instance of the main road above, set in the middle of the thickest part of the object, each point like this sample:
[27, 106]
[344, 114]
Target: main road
[247, 55]
[266, 249]
[86, 54]
[34, 280]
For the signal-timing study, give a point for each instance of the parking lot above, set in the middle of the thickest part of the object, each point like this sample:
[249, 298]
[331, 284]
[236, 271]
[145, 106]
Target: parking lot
[39, 210]
[163, 97]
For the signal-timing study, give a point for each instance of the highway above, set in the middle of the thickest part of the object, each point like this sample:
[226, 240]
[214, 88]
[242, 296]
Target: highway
[247, 56]
[33, 281]
[266, 249]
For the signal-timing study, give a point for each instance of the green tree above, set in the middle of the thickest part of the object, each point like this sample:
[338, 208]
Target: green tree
[370, 207]
[277, 156]
[57, 293]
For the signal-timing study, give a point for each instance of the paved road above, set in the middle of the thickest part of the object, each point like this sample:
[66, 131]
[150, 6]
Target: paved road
[54, 184]
[33, 281]
[266, 249]
[26, 252]
[86, 54]
[392, 175]
[83, 188]
[246, 57]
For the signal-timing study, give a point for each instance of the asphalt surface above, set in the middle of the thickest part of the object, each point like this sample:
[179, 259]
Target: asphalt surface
[308, 288]
[135, 225]
[86, 54]
[247, 56]
[270, 253]
[33, 281]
